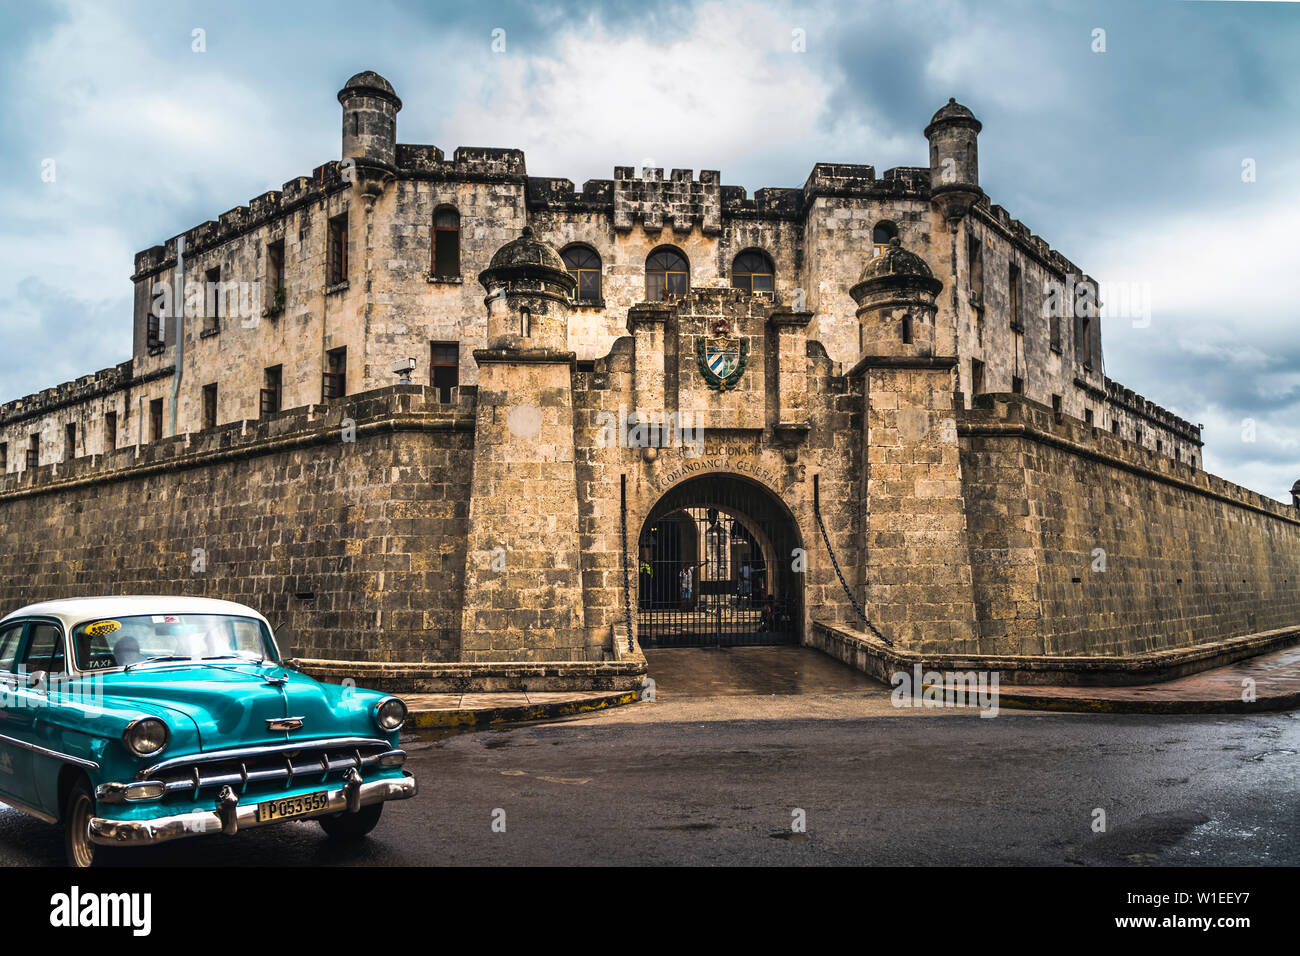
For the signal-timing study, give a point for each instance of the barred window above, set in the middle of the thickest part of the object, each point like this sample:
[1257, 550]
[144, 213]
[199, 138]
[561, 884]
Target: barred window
[338, 249]
[334, 378]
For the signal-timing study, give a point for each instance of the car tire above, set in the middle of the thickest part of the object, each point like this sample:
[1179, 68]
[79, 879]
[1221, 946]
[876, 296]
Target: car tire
[78, 808]
[352, 826]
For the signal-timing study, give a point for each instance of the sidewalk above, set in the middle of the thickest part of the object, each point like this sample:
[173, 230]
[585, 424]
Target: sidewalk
[1276, 677]
[463, 710]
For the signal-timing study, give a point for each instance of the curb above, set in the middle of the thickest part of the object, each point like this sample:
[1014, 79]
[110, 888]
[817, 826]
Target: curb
[1114, 705]
[469, 717]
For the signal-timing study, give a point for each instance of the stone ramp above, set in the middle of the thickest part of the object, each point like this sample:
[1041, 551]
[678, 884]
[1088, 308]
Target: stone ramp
[1275, 677]
[428, 711]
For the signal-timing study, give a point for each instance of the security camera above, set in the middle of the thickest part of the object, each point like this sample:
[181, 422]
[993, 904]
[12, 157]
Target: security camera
[403, 370]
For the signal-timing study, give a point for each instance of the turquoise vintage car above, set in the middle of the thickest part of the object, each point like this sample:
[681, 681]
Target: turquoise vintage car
[136, 720]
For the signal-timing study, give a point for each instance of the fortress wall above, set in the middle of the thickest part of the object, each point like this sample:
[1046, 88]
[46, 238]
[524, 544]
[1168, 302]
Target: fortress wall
[357, 546]
[1188, 557]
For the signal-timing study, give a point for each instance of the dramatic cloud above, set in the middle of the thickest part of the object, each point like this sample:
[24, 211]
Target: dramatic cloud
[1128, 161]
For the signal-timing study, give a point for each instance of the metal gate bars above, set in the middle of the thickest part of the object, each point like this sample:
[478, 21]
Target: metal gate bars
[715, 568]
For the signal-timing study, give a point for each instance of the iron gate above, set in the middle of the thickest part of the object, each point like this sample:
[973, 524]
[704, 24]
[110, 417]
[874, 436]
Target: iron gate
[715, 568]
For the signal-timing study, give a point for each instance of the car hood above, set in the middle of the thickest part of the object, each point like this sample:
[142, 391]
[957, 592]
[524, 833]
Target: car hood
[231, 704]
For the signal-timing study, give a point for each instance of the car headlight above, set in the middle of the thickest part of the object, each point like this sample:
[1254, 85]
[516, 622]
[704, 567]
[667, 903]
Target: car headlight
[146, 736]
[390, 714]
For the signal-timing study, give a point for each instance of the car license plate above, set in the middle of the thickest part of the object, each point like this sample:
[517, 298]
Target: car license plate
[287, 808]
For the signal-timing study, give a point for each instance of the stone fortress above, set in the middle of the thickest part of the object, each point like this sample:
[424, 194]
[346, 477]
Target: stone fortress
[433, 411]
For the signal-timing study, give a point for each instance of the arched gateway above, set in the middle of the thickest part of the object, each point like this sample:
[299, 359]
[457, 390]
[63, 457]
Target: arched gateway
[718, 565]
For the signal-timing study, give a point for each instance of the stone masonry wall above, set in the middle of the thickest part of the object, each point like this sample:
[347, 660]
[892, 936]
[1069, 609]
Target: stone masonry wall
[358, 547]
[1083, 543]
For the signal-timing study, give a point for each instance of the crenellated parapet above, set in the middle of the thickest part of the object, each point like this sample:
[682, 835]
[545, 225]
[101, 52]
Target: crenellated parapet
[680, 201]
[87, 387]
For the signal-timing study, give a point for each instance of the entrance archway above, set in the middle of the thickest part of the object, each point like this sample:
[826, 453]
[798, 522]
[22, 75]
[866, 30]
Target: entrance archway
[716, 567]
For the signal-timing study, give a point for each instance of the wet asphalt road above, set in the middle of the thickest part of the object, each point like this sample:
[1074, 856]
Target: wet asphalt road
[713, 780]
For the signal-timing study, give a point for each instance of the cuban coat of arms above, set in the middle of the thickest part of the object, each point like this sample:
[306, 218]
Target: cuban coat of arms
[722, 358]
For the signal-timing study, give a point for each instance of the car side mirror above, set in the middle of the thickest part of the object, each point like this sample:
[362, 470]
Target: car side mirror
[37, 680]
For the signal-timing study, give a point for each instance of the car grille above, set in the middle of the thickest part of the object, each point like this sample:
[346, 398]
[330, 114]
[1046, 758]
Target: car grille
[263, 770]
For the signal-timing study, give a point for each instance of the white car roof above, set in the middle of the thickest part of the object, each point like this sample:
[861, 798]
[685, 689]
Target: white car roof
[73, 611]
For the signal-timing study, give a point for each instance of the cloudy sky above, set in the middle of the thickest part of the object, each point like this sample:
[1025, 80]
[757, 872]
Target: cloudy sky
[1129, 161]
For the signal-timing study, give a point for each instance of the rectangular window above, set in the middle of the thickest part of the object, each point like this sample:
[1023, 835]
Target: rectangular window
[1137, 434]
[1013, 298]
[155, 419]
[976, 377]
[210, 406]
[975, 265]
[1087, 415]
[274, 266]
[1017, 385]
[1084, 345]
[338, 249]
[153, 330]
[1056, 407]
[444, 369]
[1114, 426]
[334, 379]
[110, 431]
[446, 243]
[34, 452]
[69, 441]
[270, 398]
[4, 456]
[1056, 308]
[907, 330]
[213, 306]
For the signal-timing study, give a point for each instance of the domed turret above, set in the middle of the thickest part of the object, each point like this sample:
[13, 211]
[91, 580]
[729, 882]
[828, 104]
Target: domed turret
[528, 291]
[526, 254]
[896, 310]
[370, 121]
[954, 159]
[895, 268]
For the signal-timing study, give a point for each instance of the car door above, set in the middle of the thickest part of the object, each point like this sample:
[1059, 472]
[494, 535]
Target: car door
[12, 757]
[42, 653]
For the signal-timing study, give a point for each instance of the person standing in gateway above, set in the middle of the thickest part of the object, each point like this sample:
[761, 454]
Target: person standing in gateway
[687, 580]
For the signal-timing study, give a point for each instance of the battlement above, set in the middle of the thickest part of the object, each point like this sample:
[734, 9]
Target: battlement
[297, 192]
[468, 163]
[1127, 399]
[994, 413]
[597, 195]
[82, 389]
[1018, 232]
[392, 407]
[681, 199]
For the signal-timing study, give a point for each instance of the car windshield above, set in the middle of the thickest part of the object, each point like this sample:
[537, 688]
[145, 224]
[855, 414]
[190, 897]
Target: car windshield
[107, 643]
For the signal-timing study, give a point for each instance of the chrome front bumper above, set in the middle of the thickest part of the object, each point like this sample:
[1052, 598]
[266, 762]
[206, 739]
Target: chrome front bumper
[230, 817]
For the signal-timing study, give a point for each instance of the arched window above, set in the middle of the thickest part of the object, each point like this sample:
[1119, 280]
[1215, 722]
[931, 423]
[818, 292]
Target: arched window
[667, 275]
[881, 235]
[446, 242]
[753, 272]
[584, 265]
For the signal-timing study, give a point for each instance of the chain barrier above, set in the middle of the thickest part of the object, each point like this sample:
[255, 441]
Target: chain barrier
[817, 512]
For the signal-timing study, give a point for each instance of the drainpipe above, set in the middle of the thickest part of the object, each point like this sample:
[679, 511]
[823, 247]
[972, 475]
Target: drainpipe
[179, 296]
